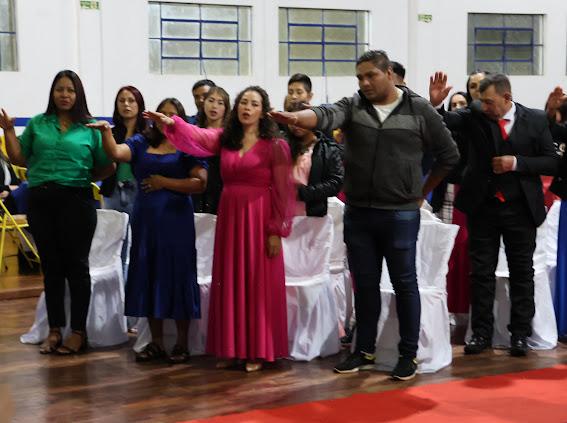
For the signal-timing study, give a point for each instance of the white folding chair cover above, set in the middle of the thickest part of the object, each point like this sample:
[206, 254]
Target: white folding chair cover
[434, 246]
[311, 309]
[340, 273]
[551, 239]
[544, 328]
[106, 324]
[204, 243]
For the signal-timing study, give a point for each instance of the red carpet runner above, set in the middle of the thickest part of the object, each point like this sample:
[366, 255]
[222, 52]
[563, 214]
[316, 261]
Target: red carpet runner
[533, 396]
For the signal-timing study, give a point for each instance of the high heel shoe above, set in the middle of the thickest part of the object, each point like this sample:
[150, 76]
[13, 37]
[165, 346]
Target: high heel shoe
[253, 366]
[52, 342]
[76, 343]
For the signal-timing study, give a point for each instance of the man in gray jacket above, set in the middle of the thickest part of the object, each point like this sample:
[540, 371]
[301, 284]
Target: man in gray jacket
[387, 130]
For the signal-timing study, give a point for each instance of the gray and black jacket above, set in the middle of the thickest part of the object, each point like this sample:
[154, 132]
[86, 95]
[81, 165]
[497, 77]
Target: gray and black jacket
[383, 159]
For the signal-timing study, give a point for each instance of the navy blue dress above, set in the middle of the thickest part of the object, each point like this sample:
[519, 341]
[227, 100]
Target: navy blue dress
[162, 277]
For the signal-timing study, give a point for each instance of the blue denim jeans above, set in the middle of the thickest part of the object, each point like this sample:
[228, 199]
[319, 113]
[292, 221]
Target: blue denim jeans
[372, 235]
[122, 200]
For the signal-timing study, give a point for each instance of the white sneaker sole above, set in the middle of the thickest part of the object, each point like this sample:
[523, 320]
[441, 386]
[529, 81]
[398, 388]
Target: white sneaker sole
[404, 377]
[355, 370]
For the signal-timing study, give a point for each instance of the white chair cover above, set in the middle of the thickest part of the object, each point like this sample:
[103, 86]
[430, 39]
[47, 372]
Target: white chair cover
[551, 239]
[340, 273]
[434, 247]
[106, 324]
[204, 243]
[311, 309]
[544, 328]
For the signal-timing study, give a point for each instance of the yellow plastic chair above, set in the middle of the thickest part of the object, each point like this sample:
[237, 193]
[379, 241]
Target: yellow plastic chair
[9, 222]
[97, 195]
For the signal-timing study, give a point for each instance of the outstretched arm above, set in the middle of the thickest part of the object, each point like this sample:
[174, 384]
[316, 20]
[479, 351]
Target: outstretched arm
[116, 152]
[306, 119]
[191, 139]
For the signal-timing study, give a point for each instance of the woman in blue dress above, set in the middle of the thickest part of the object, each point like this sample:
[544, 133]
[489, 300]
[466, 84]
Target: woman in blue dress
[162, 278]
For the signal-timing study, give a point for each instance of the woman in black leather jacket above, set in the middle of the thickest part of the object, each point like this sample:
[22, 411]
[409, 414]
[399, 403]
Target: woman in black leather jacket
[318, 169]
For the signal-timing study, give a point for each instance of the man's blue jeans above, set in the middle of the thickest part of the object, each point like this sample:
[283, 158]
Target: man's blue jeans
[372, 235]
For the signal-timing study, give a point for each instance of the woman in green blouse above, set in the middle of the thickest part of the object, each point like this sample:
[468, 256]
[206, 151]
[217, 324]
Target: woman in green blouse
[63, 156]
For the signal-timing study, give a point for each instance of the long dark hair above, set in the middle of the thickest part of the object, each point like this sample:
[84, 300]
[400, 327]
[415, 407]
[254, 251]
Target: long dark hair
[154, 136]
[202, 117]
[79, 112]
[462, 93]
[141, 124]
[233, 133]
[296, 144]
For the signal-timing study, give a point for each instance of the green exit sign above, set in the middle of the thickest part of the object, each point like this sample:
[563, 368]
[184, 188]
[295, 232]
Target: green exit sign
[424, 18]
[91, 5]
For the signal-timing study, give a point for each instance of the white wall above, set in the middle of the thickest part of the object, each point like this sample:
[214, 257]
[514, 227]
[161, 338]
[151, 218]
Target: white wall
[109, 48]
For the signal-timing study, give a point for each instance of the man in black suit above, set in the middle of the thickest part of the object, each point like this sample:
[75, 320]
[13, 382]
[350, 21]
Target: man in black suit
[510, 146]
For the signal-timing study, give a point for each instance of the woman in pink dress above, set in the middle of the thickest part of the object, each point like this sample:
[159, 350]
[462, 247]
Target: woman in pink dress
[247, 314]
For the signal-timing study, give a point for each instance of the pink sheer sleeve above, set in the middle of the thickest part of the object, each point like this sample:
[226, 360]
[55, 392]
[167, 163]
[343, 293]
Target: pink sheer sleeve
[193, 140]
[283, 190]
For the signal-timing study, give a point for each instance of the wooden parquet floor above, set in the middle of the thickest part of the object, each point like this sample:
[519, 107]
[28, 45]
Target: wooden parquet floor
[108, 386]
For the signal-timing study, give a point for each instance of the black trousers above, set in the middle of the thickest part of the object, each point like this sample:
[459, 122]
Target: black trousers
[62, 221]
[512, 221]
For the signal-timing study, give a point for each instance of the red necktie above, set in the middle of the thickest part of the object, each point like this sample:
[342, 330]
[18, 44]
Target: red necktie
[502, 124]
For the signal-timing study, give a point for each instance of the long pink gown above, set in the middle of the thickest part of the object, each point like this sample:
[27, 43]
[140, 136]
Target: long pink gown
[247, 314]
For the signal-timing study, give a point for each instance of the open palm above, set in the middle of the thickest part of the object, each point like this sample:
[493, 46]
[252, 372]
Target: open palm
[438, 88]
[6, 122]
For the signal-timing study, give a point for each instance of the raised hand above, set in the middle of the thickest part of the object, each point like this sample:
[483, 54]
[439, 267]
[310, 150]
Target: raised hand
[438, 88]
[101, 125]
[556, 99]
[158, 117]
[6, 122]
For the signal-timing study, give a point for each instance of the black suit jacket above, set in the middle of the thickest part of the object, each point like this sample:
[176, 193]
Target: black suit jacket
[531, 143]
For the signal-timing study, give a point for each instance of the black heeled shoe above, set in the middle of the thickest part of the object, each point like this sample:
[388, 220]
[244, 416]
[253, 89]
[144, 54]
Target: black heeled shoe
[179, 355]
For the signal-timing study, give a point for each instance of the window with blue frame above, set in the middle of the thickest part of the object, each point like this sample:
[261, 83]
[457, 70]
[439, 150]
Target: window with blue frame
[200, 39]
[8, 47]
[321, 42]
[510, 44]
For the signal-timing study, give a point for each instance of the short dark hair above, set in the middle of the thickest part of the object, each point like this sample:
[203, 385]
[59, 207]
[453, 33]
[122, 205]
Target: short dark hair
[378, 57]
[79, 112]
[301, 78]
[202, 82]
[499, 80]
[398, 69]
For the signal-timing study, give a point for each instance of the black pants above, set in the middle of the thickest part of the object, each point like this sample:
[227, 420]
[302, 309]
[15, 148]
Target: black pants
[62, 221]
[512, 221]
[372, 235]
